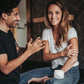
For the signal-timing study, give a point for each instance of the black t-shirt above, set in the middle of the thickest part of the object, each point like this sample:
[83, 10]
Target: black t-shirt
[7, 46]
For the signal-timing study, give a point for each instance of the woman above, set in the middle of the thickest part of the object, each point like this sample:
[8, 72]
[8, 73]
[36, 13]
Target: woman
[61, 45]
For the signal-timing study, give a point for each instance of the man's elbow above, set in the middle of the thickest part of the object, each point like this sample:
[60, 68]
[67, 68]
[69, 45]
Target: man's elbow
[5, 71]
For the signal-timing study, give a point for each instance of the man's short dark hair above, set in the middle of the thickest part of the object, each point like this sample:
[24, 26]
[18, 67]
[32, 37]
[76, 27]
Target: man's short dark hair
[6, 6]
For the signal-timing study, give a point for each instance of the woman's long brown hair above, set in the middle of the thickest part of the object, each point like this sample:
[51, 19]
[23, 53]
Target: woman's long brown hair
[64, 24]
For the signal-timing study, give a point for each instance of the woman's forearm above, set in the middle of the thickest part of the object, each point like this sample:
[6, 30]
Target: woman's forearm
[69, 63]
[52, 56]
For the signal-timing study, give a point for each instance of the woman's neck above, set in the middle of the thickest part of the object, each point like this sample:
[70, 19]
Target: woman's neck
[55, 30]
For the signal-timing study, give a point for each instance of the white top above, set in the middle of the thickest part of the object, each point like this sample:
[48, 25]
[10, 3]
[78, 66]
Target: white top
[47, 35]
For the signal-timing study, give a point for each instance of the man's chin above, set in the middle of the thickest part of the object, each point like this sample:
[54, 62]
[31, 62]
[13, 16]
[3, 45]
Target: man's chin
[12, 27]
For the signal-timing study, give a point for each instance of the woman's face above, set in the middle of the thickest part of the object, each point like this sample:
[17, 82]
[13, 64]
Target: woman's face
[54, 14]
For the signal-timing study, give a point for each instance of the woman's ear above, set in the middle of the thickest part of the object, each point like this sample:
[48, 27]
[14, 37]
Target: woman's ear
[4, 16]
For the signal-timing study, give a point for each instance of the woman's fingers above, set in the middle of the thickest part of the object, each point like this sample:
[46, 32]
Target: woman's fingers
[72, 52]
[69, 46]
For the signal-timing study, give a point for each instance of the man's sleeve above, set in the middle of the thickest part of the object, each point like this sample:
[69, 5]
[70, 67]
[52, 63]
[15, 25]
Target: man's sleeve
[2, 48]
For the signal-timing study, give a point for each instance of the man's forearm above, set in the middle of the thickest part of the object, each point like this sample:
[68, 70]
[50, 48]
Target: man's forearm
[13, 64]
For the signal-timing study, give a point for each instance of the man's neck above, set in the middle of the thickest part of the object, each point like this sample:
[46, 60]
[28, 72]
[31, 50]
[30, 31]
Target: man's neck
[4, 28]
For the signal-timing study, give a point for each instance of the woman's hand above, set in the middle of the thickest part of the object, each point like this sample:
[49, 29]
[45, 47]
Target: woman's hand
[70, 52]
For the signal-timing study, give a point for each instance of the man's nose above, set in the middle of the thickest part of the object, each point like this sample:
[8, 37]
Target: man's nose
[18, 18]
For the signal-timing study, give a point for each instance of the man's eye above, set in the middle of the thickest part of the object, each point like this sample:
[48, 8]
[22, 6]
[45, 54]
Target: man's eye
[16, 14]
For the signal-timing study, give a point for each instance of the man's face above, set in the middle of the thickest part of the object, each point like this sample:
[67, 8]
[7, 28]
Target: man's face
[13, 19]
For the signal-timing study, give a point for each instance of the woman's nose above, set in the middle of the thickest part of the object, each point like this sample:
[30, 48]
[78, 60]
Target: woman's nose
[53, 15]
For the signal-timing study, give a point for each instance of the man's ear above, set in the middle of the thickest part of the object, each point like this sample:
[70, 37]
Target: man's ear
[4, 16]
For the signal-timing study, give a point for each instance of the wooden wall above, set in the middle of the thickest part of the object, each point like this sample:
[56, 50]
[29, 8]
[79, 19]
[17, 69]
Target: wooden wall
[35, 14]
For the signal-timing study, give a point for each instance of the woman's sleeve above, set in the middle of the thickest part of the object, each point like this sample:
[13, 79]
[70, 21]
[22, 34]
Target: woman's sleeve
[45, 34]
[72, 33]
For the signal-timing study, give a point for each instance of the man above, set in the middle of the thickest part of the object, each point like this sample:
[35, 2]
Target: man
[9, 61]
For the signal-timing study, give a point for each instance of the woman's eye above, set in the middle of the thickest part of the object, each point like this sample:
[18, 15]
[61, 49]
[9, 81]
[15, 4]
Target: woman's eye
[57, 12]
[49, 12]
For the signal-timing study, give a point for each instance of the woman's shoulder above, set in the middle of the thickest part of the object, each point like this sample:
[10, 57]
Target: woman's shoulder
[72, 29]
[46, 33]
[47, 30]
[72, 33]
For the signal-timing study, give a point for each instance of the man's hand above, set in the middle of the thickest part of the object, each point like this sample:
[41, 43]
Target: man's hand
[39, 80]
[35, 46]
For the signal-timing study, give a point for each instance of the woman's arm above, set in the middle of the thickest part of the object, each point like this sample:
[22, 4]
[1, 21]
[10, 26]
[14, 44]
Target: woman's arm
[69, 63]
[47, 56]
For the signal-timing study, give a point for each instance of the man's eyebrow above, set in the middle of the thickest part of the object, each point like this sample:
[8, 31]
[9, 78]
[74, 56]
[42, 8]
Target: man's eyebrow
[16, 13]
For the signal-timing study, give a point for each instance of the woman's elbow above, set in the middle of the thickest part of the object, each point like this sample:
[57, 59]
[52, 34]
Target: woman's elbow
[74, 59]
[45, 57]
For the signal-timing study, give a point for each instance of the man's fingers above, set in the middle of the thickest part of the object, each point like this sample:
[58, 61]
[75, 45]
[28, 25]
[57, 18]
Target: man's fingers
[30, 40]
[41, 47]
[38, 38]
[31, 80]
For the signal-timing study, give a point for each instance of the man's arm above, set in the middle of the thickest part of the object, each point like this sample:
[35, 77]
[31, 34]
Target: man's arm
[17, 47]
[7, 66]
